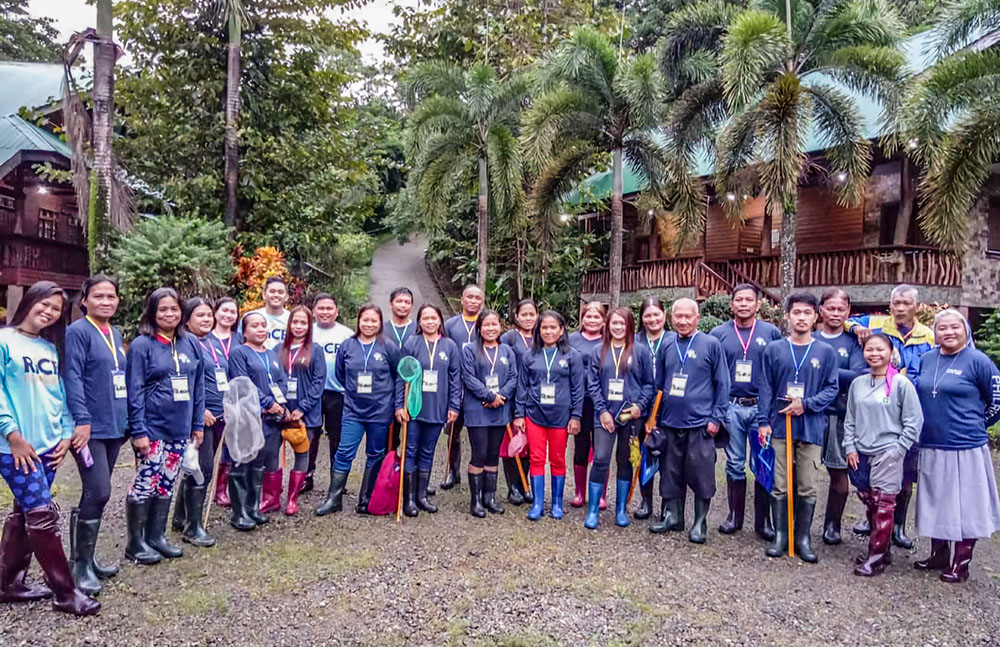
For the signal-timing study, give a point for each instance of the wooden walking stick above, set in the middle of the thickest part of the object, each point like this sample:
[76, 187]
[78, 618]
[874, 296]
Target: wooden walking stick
[451, 436]
[402, 460]
[789, 462]
[517, 459]
[211, 485]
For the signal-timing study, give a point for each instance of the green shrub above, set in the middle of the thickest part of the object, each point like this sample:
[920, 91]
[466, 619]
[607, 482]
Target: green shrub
[988, 336]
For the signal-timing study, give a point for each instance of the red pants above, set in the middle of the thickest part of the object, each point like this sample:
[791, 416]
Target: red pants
[554, 438]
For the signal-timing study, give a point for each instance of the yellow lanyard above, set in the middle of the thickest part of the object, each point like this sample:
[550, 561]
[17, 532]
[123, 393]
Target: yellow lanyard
[173, 351]
[108, 342]
[617, 358]
[431, 352]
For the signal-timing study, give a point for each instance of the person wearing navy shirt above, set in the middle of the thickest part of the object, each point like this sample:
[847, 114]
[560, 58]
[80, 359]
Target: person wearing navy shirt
[400, 324]
[957, 501]
[621, 387]
[96, 395]
[366, 366]
[224, 337]
[441, 397]
[834, 308]
[254, 360]
[166, 409]
[489, 372]
[519, 339]
[800, 379]
[585, 341]
[694, 378]
[548, 406]
[305, 363]
[653, 335]
[461, 329]
[743, 341]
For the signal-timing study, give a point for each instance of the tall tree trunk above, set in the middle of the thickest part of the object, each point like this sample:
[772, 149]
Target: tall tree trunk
[788, 247]
[104, 98]
[232, 113]
[482, 237]
[906, 198]
[615, 255]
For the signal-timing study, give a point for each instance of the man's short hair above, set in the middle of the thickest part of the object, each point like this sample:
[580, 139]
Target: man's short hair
[802, 298]
[903, 289]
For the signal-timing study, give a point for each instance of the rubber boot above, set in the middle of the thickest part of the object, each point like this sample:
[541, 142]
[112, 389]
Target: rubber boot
[156, 527]
[222, 485]
[899, 537]
[256, 489]
[736, 494]
[621, 503]
[779, 513]
[42, 527]
[105, 572]
[762, 513]
[270, 500]
[593, 503]
[940, 557]
[805, 509]
[646, 501]
[579, 486]
[878, 545]
[409, 494]
[671, 517]
[699, 529]
[136, 519]
[180, 513]
[334, 501]
[194, 529]
[476, 495]
[538, 505]
[295, 481]
[423, 478]
[959, 570]
[367, 486]
[452, 478]
[863, 527]
[529, 497]
[82, 543]
[835, 501]
[239, 496]
[15, 557]
[558, 485]
[603, 505]
[314, 440]
[515, 492]
[490, 493]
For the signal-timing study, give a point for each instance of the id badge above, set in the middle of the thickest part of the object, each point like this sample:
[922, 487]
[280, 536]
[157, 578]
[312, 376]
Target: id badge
[179, 386]
[364, 382]
[293, 388]
[429, 382]
[678, 384]
[221, 380]
[616, 390]
[118, 381]
[548, 393]
[493, 382]
[279, 397]
[744, 371]
[795, 390]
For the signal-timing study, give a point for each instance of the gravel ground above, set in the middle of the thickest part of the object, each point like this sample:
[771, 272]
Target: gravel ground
[450, 579]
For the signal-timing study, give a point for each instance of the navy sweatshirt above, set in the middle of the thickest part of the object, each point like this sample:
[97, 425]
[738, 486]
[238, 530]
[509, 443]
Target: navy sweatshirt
[90, 393]
[152, 411]
[732, 345]
[967, 401]
[566, 373]
[213, 357]
[637, 374]
[383, 357]
[706, 392]
[447, 362]
[819, 375]
[850, 364]
[309, 383]
[460, 331]
[514, 339]
[399, 334]
[586, 348]
[476, 369]
[654, 348]
[263, 369]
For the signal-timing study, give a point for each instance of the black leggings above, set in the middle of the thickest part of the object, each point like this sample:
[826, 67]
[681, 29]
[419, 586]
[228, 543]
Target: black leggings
[603, 444]
[206, 453]
[96, 479]
[269, 456]
[333, 413]
[485, 443]
[581, 441]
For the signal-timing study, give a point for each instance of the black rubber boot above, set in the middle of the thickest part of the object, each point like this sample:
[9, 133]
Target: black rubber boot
[515, 491]
[529, 497]
[256, 482]
[736, 495]
[409, 494]
[452, 478]
[156, 527]
[476, 508]
[423, 478]
[899, 537]
[671, 517]
[82, 543]
[835, 501]
[779, 513]
[194, 503]
[180, 512]
[239, 498]
[762, 513]
[367, 486]
[805, 509]
[699, 529]
[334, 501]
[646, 501]
[490, 493]
[136, 518]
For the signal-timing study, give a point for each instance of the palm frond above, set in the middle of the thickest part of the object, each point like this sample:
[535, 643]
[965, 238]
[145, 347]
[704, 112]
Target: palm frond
[691, 41]
[639, 87]
[558, 177]
[481, 90]
[854, 23]
[430, 78]
[444, 159]
[695, 117]
[586, 61]
[736, 164]
[782, 126]
[962, 20]
[878, 72]
[506, 172]
[436, 114]
[77, 125]
[839, 123]
[753, 47]
[555, 115]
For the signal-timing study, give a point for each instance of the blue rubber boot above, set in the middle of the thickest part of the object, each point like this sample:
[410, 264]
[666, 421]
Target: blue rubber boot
[558, 483]
[621, 503]
[593, 505]
[538, 505]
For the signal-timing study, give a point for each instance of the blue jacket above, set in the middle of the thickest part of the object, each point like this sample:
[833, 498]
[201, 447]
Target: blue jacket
[152, 411]
[399, 335]
[850, 364]
[907, 349]
[818, 373]
[654, 348]
[460, 331]
[383, 357]
[213, 357]
[706, 393]
[447, 362]
[309, 383]
[638, 386]
[514, 339]
[90, 392]
[732, 345]
[566, 373]
[586, 348]
[263, 369]
[476, 367]
[960, 396]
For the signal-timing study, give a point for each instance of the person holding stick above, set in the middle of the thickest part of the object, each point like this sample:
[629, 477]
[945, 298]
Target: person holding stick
[461, 329]
[519, 339]
[586, 341]
[441, 397]
[489, 372]
[621, 388]
[223, 337]
[800, 380]
[651, 334]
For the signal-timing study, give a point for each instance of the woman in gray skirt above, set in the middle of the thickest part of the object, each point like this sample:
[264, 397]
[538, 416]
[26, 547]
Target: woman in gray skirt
[957, 500]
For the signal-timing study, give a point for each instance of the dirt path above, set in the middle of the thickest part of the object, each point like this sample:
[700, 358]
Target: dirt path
[395, 265]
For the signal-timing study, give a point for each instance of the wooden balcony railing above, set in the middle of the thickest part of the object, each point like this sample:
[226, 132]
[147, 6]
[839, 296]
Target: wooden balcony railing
[26, 259]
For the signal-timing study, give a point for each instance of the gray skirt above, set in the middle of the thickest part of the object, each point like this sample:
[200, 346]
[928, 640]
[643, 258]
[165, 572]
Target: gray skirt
[833, 444]
[957, 494]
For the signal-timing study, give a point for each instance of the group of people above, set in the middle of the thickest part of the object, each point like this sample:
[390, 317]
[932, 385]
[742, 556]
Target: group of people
[882, 402]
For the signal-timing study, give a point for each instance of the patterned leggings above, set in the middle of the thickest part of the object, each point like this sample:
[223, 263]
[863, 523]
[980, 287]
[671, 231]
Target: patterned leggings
[31, 490]
[158, 470]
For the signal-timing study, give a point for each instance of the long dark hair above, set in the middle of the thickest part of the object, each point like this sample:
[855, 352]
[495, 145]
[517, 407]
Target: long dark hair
[517, 310]
[536, 339]
[55, 332]
[147, 322]
[647, 303]
[305, 353]
[189, 306]
[381, 320]
[418, 330]
[223, 301]
[485, 312]
[625, 314]
[90, 282]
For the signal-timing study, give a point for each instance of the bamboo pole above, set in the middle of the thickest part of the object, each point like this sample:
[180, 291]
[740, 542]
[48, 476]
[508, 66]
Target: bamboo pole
[517, 459]
[402, 461]
[789, 471]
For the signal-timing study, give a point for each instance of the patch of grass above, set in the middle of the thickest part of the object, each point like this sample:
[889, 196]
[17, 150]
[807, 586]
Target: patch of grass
[286, 565]
[199, 602]
[6, 498]
[528, 638]
[457, 629]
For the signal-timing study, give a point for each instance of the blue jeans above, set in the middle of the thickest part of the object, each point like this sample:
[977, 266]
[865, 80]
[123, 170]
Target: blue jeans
[741, 421]
[376, 435]
[421, 439]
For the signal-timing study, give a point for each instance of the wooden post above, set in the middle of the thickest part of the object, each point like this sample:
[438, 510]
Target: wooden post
[402, 461]
[789, 471]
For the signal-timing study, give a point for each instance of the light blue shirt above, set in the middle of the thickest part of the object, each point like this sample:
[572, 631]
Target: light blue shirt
[330, 340]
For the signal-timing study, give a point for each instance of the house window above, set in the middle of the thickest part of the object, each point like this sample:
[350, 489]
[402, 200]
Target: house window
[993, 225]
[7, 213]
[48, 224]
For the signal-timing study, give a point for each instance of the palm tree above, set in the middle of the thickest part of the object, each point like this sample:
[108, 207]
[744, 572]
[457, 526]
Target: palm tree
[952, 119]
[104, 99]
[465, 119]
[783, 69]
[236, 18]
[593, 103]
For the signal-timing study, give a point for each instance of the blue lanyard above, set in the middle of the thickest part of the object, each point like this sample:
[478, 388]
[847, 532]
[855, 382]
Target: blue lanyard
[371, 347]
[798, 364]
[683, 356]
[548, 363]
[395, 331]
[267, 367]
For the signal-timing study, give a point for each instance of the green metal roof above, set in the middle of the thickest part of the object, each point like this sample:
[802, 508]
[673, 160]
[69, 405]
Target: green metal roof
[18, 135]
[29, 85]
